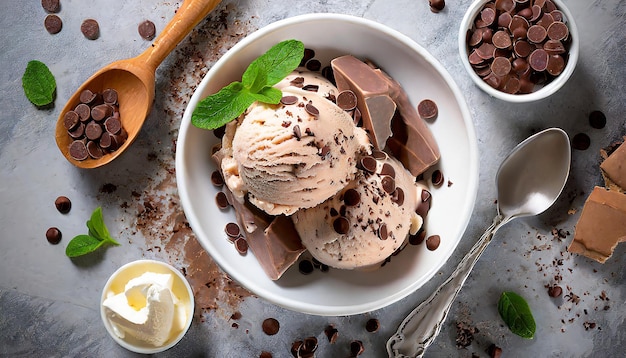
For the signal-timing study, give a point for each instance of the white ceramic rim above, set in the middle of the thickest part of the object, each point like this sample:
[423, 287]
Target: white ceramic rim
[122, 342]
[542, 93]
[296, 305]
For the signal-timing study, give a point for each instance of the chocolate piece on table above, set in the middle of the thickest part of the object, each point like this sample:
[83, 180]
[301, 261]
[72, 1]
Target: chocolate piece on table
[614, 169]
[601, 225]
[412, 142]
[372, 92]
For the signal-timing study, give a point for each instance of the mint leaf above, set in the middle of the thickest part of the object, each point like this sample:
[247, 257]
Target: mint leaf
[98, 236]
[267, 70]
[516, 314]
[222, 107]
[38, 83]
[280, 60]
[81, 245]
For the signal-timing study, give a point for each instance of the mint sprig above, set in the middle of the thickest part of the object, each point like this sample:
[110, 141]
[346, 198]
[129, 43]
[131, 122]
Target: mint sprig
[516, 314]
[38, 83]
[256, 84]
[97, 237]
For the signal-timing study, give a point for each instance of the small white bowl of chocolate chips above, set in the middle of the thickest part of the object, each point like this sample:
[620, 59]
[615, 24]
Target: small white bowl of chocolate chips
[519, 50]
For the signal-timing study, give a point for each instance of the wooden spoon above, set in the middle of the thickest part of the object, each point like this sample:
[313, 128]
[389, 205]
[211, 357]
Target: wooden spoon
[134, 80]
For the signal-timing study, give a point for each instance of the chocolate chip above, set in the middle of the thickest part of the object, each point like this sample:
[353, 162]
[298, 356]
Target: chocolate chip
[270, 326]
[427, 109]
[432, 242]
[368, 163]
[113, 125]
[53, 235]
[555, 291]
[297, 82]
[313, 65]
[146, 30]
[53, 24]
[305, 267]
[241, 245]
[105, 141]
[538, 60]
[94, 150]
[341, 225]
[308, 54]
[417, 238]
[556, 65]
[101, 112]
[289, 100]
[597, 119]
[93, 131]
[232, 230]
[536, 34]
[90, 29]
[312, 110]
[388, 170]
[109, 96]
[325, 150]
[331, 333]
[372, 325]
[217, 179]
[51, 5]
[379, 155]
[70, 120]
[296, 132]
[437, 177]
[346, 100]
[398, 196]
[424, 206]
[581, 141]
[78, 150]
[221, 200]
[356, 347]
[63, 204]
[383, 234]
[83, 111]
[87, 97]
[436, 5]
[351, 197]
[501, 66]
[78, 131]
[388, 184]
[557, 31]
[265, 354]
[494, 351]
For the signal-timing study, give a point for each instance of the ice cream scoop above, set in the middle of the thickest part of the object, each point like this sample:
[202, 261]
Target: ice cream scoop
[368, 220]
[292, 155]
[521, 192]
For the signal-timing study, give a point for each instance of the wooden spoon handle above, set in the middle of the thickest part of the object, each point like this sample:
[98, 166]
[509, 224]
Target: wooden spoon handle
[190, 13]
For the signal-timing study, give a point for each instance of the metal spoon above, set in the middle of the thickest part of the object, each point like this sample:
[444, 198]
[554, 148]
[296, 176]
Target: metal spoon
[134, 80]
[529, 181]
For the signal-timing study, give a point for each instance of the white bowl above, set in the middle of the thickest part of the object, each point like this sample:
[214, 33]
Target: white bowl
[539, 93]
[338, 292]
[181, 288]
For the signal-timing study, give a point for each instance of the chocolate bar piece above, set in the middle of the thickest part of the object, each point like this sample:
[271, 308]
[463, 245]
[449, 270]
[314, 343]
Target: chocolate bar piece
[614, 168]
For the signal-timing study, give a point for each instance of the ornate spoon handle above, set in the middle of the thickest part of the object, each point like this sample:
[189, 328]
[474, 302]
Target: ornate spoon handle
[420, 328]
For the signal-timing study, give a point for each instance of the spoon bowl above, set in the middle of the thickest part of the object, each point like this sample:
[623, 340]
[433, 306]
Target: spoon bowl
[529, 181]
[134, 81]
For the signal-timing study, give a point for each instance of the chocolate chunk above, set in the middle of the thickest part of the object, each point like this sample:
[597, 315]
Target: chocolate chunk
[388, 184]
[346, 100]
[109, 96]
[383, 234]
[581, 141]
[53, 235]
[63, 204]
[368, 163]
[372, 325]
[52, 6]
[296, 132]
[597, 119]
[432, 242]
[78, 150]
[341, 225]
[436, 5]
[221, 200]
[146, 30]
[437, 177]
[313, 65]
[94, 150]
[93, 131]
[427, 109]
[289, 100]
[53, 24]
[241, 245]
[305, 267]
[351, 197]
[311, 88]
[90, 29]
[71, 120]
[270, 326]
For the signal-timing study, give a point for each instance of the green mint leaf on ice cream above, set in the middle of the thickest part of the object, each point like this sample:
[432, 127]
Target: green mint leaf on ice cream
[516, 314]
[38, 83]
[256, 85]
[97, 237]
